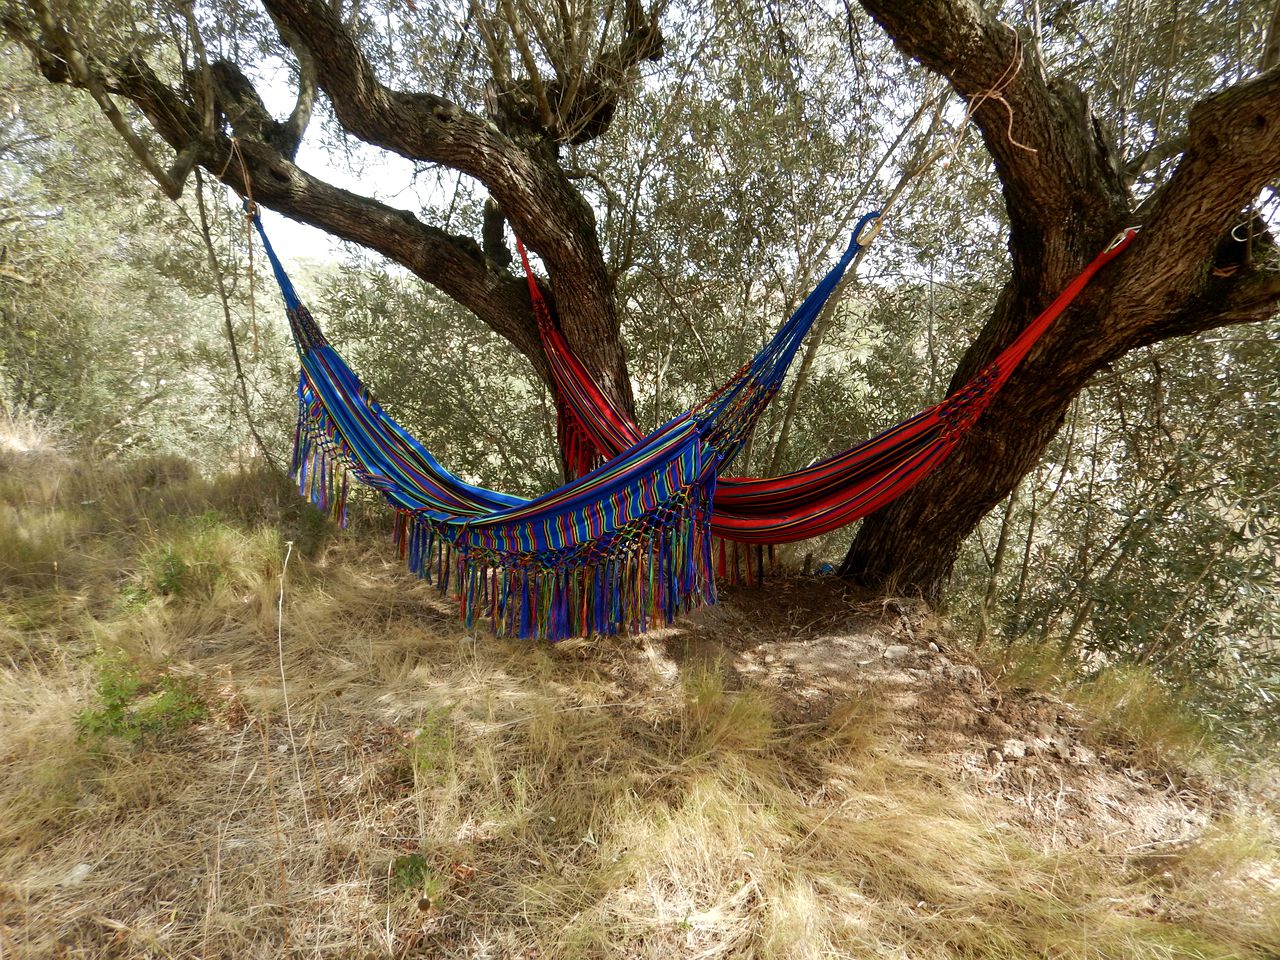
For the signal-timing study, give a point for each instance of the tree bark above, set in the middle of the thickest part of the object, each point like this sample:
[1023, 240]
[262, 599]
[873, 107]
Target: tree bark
[1066, 195]
[513, 155]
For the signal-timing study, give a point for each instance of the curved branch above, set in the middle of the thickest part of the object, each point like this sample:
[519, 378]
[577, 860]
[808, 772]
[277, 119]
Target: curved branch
[455, 265]
[524, 179]
[1232, 152]
[1223, 302]
[1060, 178]
[70, 62]
[1153, 157]
[292, 130]
[419, 126]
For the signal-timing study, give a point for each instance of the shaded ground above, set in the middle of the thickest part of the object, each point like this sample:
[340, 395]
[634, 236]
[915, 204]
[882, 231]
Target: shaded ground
[815, 647]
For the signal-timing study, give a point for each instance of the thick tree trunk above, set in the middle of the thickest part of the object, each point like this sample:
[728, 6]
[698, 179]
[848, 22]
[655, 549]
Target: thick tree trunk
[912, 545]
[1066, 195]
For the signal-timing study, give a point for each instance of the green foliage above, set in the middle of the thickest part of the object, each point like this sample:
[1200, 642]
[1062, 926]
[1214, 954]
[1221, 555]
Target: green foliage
[450, 379]
[431, 754]
[412, 874]
[1148, 537]
[1129, 706]
[206, 553]
[168, 573]
[108, 323]
[137, 704]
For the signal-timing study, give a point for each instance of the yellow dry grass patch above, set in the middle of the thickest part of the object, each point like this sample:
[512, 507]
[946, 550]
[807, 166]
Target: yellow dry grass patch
[371, 782]
[1121, 704]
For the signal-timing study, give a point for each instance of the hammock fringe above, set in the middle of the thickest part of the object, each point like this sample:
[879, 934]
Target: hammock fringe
[638, 578]
[633, 584]
[320, 470]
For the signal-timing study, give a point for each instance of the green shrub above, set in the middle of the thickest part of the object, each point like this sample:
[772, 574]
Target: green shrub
[432, 751]
[413, 875]
[136, 705]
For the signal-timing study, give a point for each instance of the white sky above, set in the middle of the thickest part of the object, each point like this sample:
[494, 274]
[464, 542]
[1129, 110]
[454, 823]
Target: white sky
[374, 173]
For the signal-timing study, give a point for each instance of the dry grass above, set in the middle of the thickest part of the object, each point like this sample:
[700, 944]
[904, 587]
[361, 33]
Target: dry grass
[432, 794]
[25, 434]
[1124, 706]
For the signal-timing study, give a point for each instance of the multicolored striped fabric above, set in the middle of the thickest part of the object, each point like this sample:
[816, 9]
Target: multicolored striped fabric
[624, 548]
[592, 429]
[628, 545]
[827, 495]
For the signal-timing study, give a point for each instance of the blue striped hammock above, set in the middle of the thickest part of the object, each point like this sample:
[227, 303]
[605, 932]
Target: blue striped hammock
[625, 548]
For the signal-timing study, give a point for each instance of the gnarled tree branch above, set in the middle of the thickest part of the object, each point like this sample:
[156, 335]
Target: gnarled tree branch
[523, 178]
[1066, 196]
[455, 265]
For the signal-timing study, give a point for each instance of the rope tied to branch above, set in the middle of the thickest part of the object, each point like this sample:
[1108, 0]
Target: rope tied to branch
[251, 211]
[996, 92]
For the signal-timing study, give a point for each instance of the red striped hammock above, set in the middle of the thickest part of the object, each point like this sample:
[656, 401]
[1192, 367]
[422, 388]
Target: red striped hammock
[826, 495]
